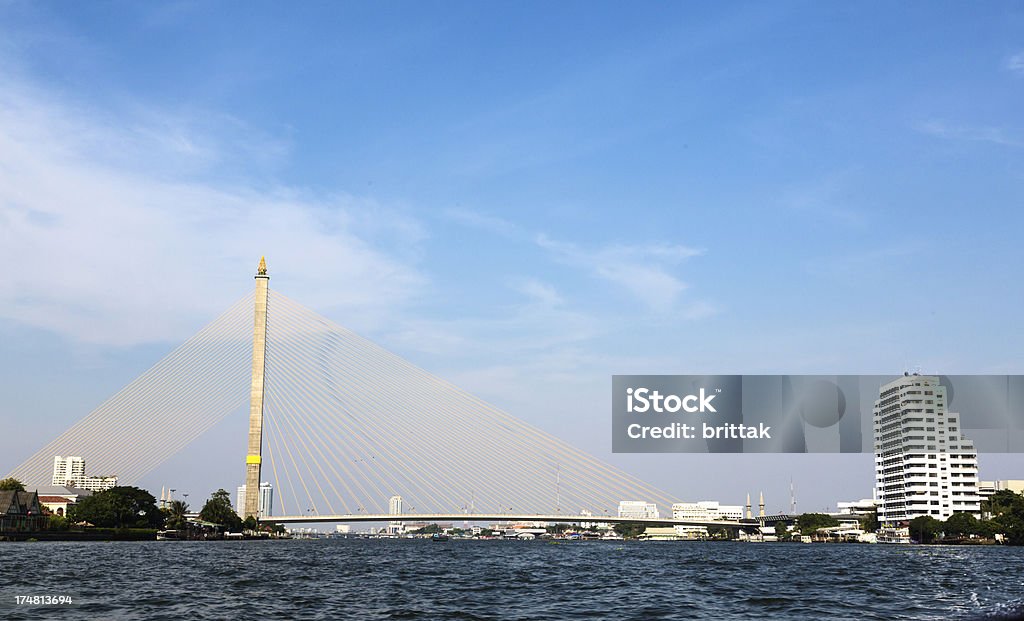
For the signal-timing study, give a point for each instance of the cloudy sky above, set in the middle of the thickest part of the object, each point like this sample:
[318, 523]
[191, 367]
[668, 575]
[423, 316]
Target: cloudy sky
[522, 199]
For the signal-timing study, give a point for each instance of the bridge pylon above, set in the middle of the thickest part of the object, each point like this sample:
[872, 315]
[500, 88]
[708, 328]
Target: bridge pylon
[259, 364]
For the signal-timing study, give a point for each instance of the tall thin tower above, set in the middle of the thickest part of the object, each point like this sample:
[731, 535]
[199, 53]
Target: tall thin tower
[259, 363]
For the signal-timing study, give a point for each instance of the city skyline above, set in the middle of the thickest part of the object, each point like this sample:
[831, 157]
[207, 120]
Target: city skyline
[652, 191]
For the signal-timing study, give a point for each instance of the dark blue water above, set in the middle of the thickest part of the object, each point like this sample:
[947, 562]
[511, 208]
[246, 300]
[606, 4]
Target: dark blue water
[414, 579]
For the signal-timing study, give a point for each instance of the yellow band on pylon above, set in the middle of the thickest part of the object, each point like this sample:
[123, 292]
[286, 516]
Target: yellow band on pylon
[253, 459]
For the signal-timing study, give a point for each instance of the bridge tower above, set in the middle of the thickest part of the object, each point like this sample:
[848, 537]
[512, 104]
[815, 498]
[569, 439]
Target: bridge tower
[259, 362]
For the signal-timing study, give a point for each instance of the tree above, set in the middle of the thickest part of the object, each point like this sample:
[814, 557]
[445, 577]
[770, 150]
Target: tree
[1002, 502]
[924, 528]
[10, 484]
[219, 511]
[630, 530]
[250, 523]
[429, 529]
[960, 525]
[869, 523]
[557, 529]
[808, 523]
[987, 529]
[781, 531]
[176, 511]
[119, 507]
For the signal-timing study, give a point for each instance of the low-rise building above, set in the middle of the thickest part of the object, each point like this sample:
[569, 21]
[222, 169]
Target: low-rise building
[660, 533]
[987, 488]
[20, 512]
[703, 511]
[637, 509]
[57, 505]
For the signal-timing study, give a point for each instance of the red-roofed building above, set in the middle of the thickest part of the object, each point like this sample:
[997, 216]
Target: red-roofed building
[57, 505]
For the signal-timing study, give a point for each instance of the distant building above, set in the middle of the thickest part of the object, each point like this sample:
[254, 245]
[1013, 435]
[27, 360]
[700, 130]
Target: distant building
[57, 505]
[67, 469]
[394, 508]
[590, 524]
[70, 493]
[70, 471]
[637, 509]
[705, 510]
[987, 488]
[266, 504]
[924, 465]
[660, 533]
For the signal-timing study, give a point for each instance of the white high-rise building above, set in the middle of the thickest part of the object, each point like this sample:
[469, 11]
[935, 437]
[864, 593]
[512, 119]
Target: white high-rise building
[70, 472]
[924, 465]
[67, 469]
[637, 509]
[394, 508]
[266, 504]
[395, 505]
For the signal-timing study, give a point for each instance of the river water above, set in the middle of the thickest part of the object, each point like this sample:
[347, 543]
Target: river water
[421, 579]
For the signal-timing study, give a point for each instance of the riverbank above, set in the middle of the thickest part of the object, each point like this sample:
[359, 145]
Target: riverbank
[89, 534]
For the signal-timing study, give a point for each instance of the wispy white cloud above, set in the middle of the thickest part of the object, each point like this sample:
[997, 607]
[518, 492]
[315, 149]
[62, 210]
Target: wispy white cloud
[993, 135]
[1015, 63]
[643, 270]
[112, 233]
[484, 222]
[539, 292]
[646, 271]
[827, 198]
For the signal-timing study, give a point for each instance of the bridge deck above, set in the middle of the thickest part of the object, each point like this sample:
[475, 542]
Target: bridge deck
[504, 517]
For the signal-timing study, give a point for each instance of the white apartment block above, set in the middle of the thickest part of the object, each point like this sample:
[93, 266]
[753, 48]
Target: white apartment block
[266, 504]
[67, 469]
[637, 509]
[70, 472]
[394, 508]
[924, 465]
[705, 510]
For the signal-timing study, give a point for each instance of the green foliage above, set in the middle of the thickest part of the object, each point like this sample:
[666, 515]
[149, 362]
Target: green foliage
[781, 531]
[630, 530]
[924, 528]
[250, 523]
[11, 484]
[175, 515]
[960, 525]
[1002, 502]
[429, 529]
[219, 511]
[808, 523]
[119, 507]
[1007, 510]
[869, 523]
[557, 529]
[57, 522]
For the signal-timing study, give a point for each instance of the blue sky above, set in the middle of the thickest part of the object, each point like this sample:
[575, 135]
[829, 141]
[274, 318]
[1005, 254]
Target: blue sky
[522, 198]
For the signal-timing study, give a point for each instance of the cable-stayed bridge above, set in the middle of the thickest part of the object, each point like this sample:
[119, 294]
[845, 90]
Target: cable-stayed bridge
[339, 425]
